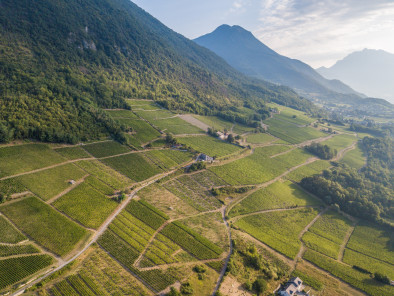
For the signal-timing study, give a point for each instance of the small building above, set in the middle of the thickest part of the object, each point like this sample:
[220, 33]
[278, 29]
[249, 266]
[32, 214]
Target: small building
[293, 287]
[222, 136]
[204, 157]
[72, 182]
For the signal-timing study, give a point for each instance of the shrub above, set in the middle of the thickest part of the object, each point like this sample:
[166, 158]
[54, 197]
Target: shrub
[382, 278]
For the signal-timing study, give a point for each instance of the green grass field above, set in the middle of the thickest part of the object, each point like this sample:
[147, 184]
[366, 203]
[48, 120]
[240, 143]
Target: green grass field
[340, 142]
[43, 224]
[105, 174]
[279, 230]
[312, 169]
[259, 167]
[290, 132]
[260, 138]
[276, 196]
[142, 104]
[24, 158]
[47, 184]
[354, 158]
[8, 233]
[288, 114]
[15, 269]
[135, 166]
[209, 145]
[350, 275]
[372, 241]
[86, 205]
[72, 153]
[104, 149]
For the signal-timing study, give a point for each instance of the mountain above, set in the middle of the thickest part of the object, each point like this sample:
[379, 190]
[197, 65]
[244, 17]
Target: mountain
[62, 61]
[370, 71]
[249, 55]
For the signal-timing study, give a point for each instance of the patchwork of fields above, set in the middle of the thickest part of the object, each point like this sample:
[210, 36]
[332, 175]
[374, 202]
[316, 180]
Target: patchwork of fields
[57, 197]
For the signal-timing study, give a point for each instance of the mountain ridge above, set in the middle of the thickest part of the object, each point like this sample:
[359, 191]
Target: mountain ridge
[368, 70]
[62, 61]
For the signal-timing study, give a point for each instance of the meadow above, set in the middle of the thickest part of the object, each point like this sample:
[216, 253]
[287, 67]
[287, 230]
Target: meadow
[290, 132]
[106, 148]
[86, 205]
[48, 183]
[340, 142]
[135, 166]
[293, 116]
[8, 233]
[105, 174]
[311, 169]
[142, 104]
[355, 158]
[23, 158]
[43, 224]
[210, 146]
[279, 230]
[279, 195]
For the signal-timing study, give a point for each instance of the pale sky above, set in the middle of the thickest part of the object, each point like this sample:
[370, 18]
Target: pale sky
[316, 32]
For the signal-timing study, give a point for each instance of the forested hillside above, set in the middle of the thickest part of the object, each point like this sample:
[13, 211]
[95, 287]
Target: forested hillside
[61, 61]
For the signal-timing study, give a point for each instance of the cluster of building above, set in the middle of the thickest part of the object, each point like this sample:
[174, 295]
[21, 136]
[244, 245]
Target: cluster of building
[293, 287]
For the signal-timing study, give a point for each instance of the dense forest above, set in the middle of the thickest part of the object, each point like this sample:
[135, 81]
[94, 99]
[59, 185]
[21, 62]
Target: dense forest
[367, 193]
[62, 61]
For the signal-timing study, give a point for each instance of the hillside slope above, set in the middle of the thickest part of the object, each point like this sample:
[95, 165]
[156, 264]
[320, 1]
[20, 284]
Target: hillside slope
[61, 61]
[370, 71]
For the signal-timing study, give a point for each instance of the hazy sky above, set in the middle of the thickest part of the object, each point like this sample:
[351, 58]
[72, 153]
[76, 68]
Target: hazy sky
[316, 32]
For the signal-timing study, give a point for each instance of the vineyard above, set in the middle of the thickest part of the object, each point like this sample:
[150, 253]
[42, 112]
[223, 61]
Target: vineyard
[279, 195]
[321, 244]
[167, 159]
[43, 224]
[260, 138]
[191, 241]
[7, 250]
[372, 241]
[11, 186]
[15, 269]
[290, 132]
[209, 145]
[106, 148]
[193, 192]
[24, 158]
[105, 174]
[279, 230]
[350, 275]
[258, 167]
[8, 234]
[135, 166]
[47, 184]
[86, 205]
[72, 153]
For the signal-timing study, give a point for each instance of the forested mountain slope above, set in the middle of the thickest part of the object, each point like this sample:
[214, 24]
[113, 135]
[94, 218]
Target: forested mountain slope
[61, 61]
